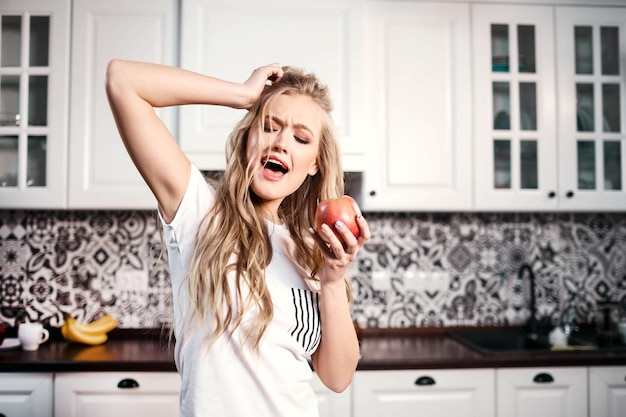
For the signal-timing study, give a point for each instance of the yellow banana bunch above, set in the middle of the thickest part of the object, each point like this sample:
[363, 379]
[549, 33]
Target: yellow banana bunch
[94, 333]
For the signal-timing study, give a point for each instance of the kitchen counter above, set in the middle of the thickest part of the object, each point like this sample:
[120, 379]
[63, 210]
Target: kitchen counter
[434, 349]
[380, 350]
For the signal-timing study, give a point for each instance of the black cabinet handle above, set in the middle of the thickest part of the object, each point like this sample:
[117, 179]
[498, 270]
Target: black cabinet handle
[372, 193]
[128, 383]
[543, 378]
[2, 415]
[551, 194]
[424, 380]
[569, 194]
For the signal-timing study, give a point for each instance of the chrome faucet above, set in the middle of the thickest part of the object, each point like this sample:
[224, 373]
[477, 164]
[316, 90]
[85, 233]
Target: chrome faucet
[531, 323]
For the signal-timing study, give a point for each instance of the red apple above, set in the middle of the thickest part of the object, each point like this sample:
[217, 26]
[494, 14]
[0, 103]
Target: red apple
[343, 208]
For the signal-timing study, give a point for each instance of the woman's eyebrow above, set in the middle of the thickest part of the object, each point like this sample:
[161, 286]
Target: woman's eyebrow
[295, 126]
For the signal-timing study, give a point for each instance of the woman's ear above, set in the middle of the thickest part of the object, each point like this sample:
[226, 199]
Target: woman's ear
[314, 168]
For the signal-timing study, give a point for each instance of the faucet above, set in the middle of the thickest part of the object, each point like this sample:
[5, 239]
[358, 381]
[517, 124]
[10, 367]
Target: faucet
[531, 323]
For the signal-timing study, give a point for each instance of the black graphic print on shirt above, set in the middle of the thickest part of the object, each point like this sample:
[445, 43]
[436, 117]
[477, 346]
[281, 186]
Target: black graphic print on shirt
[307, 329]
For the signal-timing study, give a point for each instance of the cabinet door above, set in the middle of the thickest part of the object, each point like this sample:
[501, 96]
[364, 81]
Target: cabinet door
[34, 74]
[118, 394]
[542, 392]
[419, 109]
[592, 108]
[607, 391]
[102, 174]
[514, 103]
[26, 395]
[230, 39]
[424, 393]
[332, 404]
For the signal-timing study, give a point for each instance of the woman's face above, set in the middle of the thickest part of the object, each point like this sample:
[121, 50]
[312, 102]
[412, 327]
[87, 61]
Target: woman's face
[287, 150]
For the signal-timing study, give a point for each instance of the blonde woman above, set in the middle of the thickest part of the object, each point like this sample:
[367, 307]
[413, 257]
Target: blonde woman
[258, 295]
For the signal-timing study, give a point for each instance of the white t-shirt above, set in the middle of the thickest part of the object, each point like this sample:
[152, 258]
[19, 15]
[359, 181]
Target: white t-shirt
[225, 380]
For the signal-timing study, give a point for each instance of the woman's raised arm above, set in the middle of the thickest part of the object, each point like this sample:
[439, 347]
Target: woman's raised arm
[134, 89]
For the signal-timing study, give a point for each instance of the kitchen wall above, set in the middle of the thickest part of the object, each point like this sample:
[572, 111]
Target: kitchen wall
[88, 262]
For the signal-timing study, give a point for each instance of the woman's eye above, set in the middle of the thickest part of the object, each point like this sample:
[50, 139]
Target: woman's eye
[268, 129]
[301, 140]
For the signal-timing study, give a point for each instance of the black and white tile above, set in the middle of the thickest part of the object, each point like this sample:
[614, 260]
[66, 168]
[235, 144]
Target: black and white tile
[91, 262]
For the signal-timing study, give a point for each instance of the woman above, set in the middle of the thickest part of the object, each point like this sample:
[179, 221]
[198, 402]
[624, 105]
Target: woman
[257, 292]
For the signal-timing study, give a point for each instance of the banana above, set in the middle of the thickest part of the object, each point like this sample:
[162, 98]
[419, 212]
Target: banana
[103, 325]
[94, 333]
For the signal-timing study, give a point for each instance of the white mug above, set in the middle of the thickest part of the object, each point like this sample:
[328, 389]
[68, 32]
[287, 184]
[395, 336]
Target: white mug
[31, 335]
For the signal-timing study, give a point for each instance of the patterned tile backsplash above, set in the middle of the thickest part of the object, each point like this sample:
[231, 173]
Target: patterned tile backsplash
[418, 269]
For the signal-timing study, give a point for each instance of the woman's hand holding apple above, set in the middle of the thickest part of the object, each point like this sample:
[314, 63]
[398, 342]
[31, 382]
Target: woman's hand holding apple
[343, 209]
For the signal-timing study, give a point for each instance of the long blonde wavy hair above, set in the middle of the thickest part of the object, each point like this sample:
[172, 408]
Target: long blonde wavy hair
[235, 225]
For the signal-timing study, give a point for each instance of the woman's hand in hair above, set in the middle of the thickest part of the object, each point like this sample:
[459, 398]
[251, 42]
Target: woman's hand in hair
[259, 79]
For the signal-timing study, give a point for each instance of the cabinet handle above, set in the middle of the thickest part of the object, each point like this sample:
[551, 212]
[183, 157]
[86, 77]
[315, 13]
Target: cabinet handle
[128, 383]
[2, 415]
[424, 380]
[543, 378]
[551, 194]
[372, 193]
[569, 194]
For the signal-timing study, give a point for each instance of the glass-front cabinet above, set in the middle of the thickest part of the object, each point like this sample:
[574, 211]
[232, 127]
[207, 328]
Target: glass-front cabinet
[516, 147]
[591, 82]
[34, 62]
[549, 107]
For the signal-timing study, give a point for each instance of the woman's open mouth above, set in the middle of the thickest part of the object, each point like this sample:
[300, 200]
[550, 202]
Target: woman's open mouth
[274, 167]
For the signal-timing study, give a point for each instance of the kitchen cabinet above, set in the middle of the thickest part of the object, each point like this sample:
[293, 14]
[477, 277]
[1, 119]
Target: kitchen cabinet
[549, 107]
[539, 392]
[37, 167]
[424, 393]
[607, 391]
[121, 394]
[324, 36]
[118, 394]
[591, 88]
[26, 394]
[101, 174]
[332, 404]
[419, 139]
[34, 80]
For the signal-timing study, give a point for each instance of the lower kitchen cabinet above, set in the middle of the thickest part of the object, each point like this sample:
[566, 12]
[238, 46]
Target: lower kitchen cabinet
[26, 395]
[607, 391]
[424, 393]
[118, 394]
[153, 394]
[539, 392]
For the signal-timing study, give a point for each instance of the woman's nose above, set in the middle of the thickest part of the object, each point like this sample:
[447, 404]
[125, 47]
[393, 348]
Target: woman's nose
[279, 142]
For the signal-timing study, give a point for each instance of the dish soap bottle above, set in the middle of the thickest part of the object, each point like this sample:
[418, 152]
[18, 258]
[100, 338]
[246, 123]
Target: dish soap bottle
[557, 337]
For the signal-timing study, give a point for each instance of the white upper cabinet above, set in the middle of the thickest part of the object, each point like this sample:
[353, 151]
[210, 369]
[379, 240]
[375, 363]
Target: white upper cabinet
[230, 39]
[418, 107]
[34, 73]
[514, 104]
[592, 124]
[101, 174]
[549, 107]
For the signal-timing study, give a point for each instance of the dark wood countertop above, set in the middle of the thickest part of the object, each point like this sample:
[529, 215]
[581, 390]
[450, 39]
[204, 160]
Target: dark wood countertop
[380, 350]
[439, 351]
[124, 351]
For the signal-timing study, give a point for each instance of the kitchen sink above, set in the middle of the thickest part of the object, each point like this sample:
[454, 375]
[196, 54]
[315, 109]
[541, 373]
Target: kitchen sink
[517, 340]
[501, 341]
